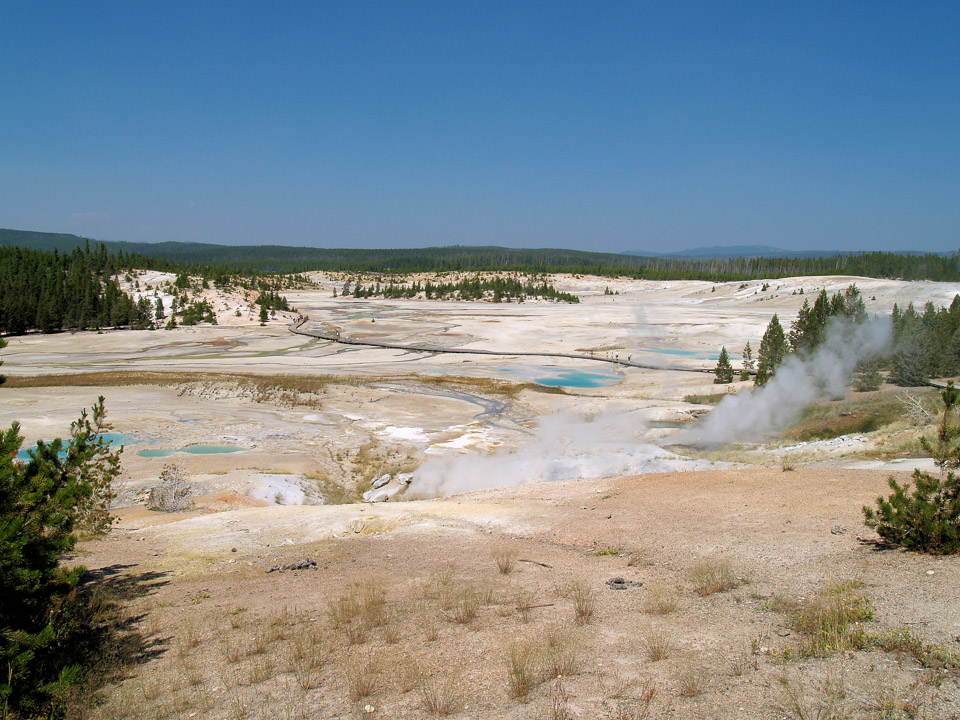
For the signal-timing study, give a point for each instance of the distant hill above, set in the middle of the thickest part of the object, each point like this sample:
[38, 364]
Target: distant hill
[756, 251]
[714, 264]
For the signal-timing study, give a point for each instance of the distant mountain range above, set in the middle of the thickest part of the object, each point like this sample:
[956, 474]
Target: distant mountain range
[717, 263]
[767, 251]
[64, 242]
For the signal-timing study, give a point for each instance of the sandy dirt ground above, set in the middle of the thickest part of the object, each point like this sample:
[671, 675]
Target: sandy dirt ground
[274, 427]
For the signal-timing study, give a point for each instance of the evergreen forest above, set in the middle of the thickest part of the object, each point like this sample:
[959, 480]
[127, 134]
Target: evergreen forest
[200, 258]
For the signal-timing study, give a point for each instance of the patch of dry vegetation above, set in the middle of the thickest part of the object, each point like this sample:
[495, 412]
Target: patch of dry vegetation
[713, 575]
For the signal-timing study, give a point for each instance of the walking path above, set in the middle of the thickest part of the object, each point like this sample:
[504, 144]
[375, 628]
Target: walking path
[298, 327]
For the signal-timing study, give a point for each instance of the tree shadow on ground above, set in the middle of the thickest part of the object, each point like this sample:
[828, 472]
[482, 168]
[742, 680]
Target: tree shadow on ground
[106, 637]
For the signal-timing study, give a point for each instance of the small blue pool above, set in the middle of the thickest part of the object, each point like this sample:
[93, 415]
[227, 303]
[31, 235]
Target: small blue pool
[576, 379]
[551, 376]
[211, 449]
[110, 438]
[156, 452]
[192, 449]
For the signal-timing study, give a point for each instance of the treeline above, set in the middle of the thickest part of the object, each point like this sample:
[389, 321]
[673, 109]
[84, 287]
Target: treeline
[273, 301]
[497, 289]
[79, 290]
[925, 344]
[199, 258]
[51, 292]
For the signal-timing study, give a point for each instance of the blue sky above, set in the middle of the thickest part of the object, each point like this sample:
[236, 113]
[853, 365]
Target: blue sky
[592, 125]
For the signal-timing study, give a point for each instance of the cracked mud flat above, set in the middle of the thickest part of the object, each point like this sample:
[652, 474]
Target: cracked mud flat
[210, 562]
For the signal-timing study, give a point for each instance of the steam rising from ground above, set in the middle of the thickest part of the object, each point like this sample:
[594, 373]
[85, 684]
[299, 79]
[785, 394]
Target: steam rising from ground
[797, 382]
[565, 447]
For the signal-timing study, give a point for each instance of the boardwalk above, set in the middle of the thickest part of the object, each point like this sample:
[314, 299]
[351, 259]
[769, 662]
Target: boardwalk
[299, 327]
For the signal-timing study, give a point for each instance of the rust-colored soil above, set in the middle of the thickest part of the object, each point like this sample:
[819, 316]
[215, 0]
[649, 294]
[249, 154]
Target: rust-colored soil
[229, 639]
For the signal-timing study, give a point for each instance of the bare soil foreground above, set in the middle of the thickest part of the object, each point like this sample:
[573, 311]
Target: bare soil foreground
[406, 611]
[649, 580]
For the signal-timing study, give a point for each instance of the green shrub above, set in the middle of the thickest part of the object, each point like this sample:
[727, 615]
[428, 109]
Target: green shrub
[926, 516]
[44, 639]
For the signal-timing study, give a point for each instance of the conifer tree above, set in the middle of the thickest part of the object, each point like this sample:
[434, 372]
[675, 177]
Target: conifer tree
[747, 362]
[43, 500]
[867, 376]
[928, 518]
[773, 347]
[3, 344]
[724, 370]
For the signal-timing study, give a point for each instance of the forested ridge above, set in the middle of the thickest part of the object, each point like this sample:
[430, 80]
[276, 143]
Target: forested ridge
[202, 258]
[50, 291]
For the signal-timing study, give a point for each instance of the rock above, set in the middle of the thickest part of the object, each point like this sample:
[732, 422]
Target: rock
[374, 496]
[302, 565]
[380, 481]
[619, 583]
[838, 530]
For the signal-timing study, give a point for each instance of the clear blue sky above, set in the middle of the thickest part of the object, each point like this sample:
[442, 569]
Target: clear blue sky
[592, 125]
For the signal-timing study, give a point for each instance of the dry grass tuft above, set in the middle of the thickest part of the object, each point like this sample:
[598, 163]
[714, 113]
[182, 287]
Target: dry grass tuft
[712, 575]
[261, 670]
[521, 669]
[583, 602]
[691, 682]
[260, 643]
[465, 603]
[740, 664]
[825, 619]
[657, 645]
[613, 684]
[559, 654]
[440, 695]
[826, 703]
[360, 674]
[524, 602]
[505, 557]
[660, 601]
[431, 629]
[559, 704]
[359, 609]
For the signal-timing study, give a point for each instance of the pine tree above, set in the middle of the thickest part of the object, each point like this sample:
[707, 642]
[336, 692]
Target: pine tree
[724, 370]
[263, 315]
[747, 362]
[928, 519]
[42, 501]
[773, 347]
[867, 376]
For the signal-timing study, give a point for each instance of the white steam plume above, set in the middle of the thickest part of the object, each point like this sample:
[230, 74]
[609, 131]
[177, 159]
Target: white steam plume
[565, 447]
[798, 382]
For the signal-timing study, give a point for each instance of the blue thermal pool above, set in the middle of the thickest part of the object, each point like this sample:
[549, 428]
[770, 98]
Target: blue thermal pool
[192, 449]
[563, 377]
[110, 438]
[576, 379]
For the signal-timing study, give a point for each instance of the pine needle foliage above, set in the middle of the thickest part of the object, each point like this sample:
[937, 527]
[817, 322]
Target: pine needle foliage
[43, 501]
[925, 516]
[723, 370]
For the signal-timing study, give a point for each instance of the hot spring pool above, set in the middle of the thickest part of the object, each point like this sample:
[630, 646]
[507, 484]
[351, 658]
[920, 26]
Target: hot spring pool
[576, 379]
[110, 438]
[192, 449]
